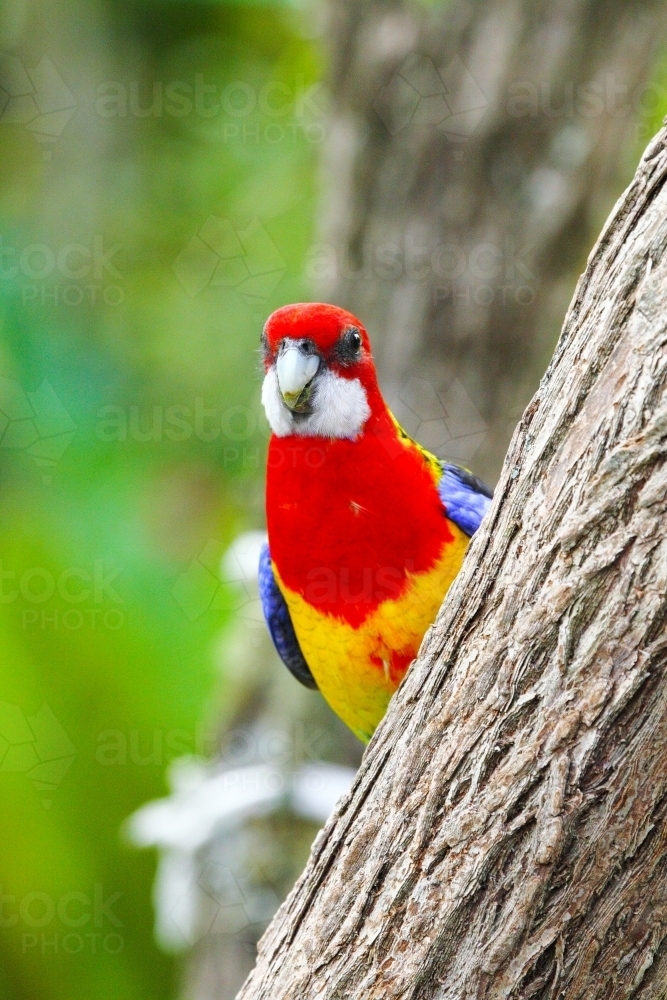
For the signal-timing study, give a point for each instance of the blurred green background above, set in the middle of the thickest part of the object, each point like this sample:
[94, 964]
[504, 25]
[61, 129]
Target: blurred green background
[133, 442]
[158, 194]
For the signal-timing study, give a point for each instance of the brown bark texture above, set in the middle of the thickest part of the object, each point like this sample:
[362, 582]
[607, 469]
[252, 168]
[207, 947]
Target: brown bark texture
[506, 833]
[474, 151]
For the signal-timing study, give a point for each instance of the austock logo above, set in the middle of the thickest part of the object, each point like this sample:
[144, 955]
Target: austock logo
[237, 112]
[69, 600]
[35, 745]
[212, 901]
[228, 584]
[35, 422]
[71, 274]
[38, 99]
[421, 94]
[221, 256]
[447, 422]
[477, 274]
[199, 588]
[69, 924]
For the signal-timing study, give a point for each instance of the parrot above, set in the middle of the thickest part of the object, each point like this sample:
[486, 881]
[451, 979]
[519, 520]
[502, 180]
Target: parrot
[366, 528]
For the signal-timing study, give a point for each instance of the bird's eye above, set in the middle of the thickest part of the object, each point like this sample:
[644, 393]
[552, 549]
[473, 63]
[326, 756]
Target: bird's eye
[352, 340]
[348, 348]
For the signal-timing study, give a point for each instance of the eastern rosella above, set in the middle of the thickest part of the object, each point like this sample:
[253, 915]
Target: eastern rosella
[366, 528]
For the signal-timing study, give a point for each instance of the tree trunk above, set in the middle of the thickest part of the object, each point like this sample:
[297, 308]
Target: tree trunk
[474, 151]
[506, 834]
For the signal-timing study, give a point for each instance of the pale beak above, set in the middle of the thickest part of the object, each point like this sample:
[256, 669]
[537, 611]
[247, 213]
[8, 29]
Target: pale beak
[296, 371]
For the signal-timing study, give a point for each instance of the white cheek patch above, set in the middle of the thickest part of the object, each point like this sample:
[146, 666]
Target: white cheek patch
[279, 417]
[340, 408]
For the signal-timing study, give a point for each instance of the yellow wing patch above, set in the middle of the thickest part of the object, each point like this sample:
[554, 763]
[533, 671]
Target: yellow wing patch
[358, 669]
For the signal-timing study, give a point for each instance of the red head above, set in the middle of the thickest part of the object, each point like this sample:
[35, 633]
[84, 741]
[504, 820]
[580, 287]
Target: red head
[320, 377]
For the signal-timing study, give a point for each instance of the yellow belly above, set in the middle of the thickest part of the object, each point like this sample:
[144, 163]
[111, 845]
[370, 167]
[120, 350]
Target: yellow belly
[355, 667]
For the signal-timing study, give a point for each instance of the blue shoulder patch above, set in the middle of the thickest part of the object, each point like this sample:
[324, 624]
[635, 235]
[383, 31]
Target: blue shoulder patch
[279, 622]
[465, 497]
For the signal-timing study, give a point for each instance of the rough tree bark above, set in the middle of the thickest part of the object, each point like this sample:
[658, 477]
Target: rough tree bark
[455, 225]
[506, 834]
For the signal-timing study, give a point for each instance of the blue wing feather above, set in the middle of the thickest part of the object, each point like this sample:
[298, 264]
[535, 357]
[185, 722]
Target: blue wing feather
[465, 497]
[279, 622]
